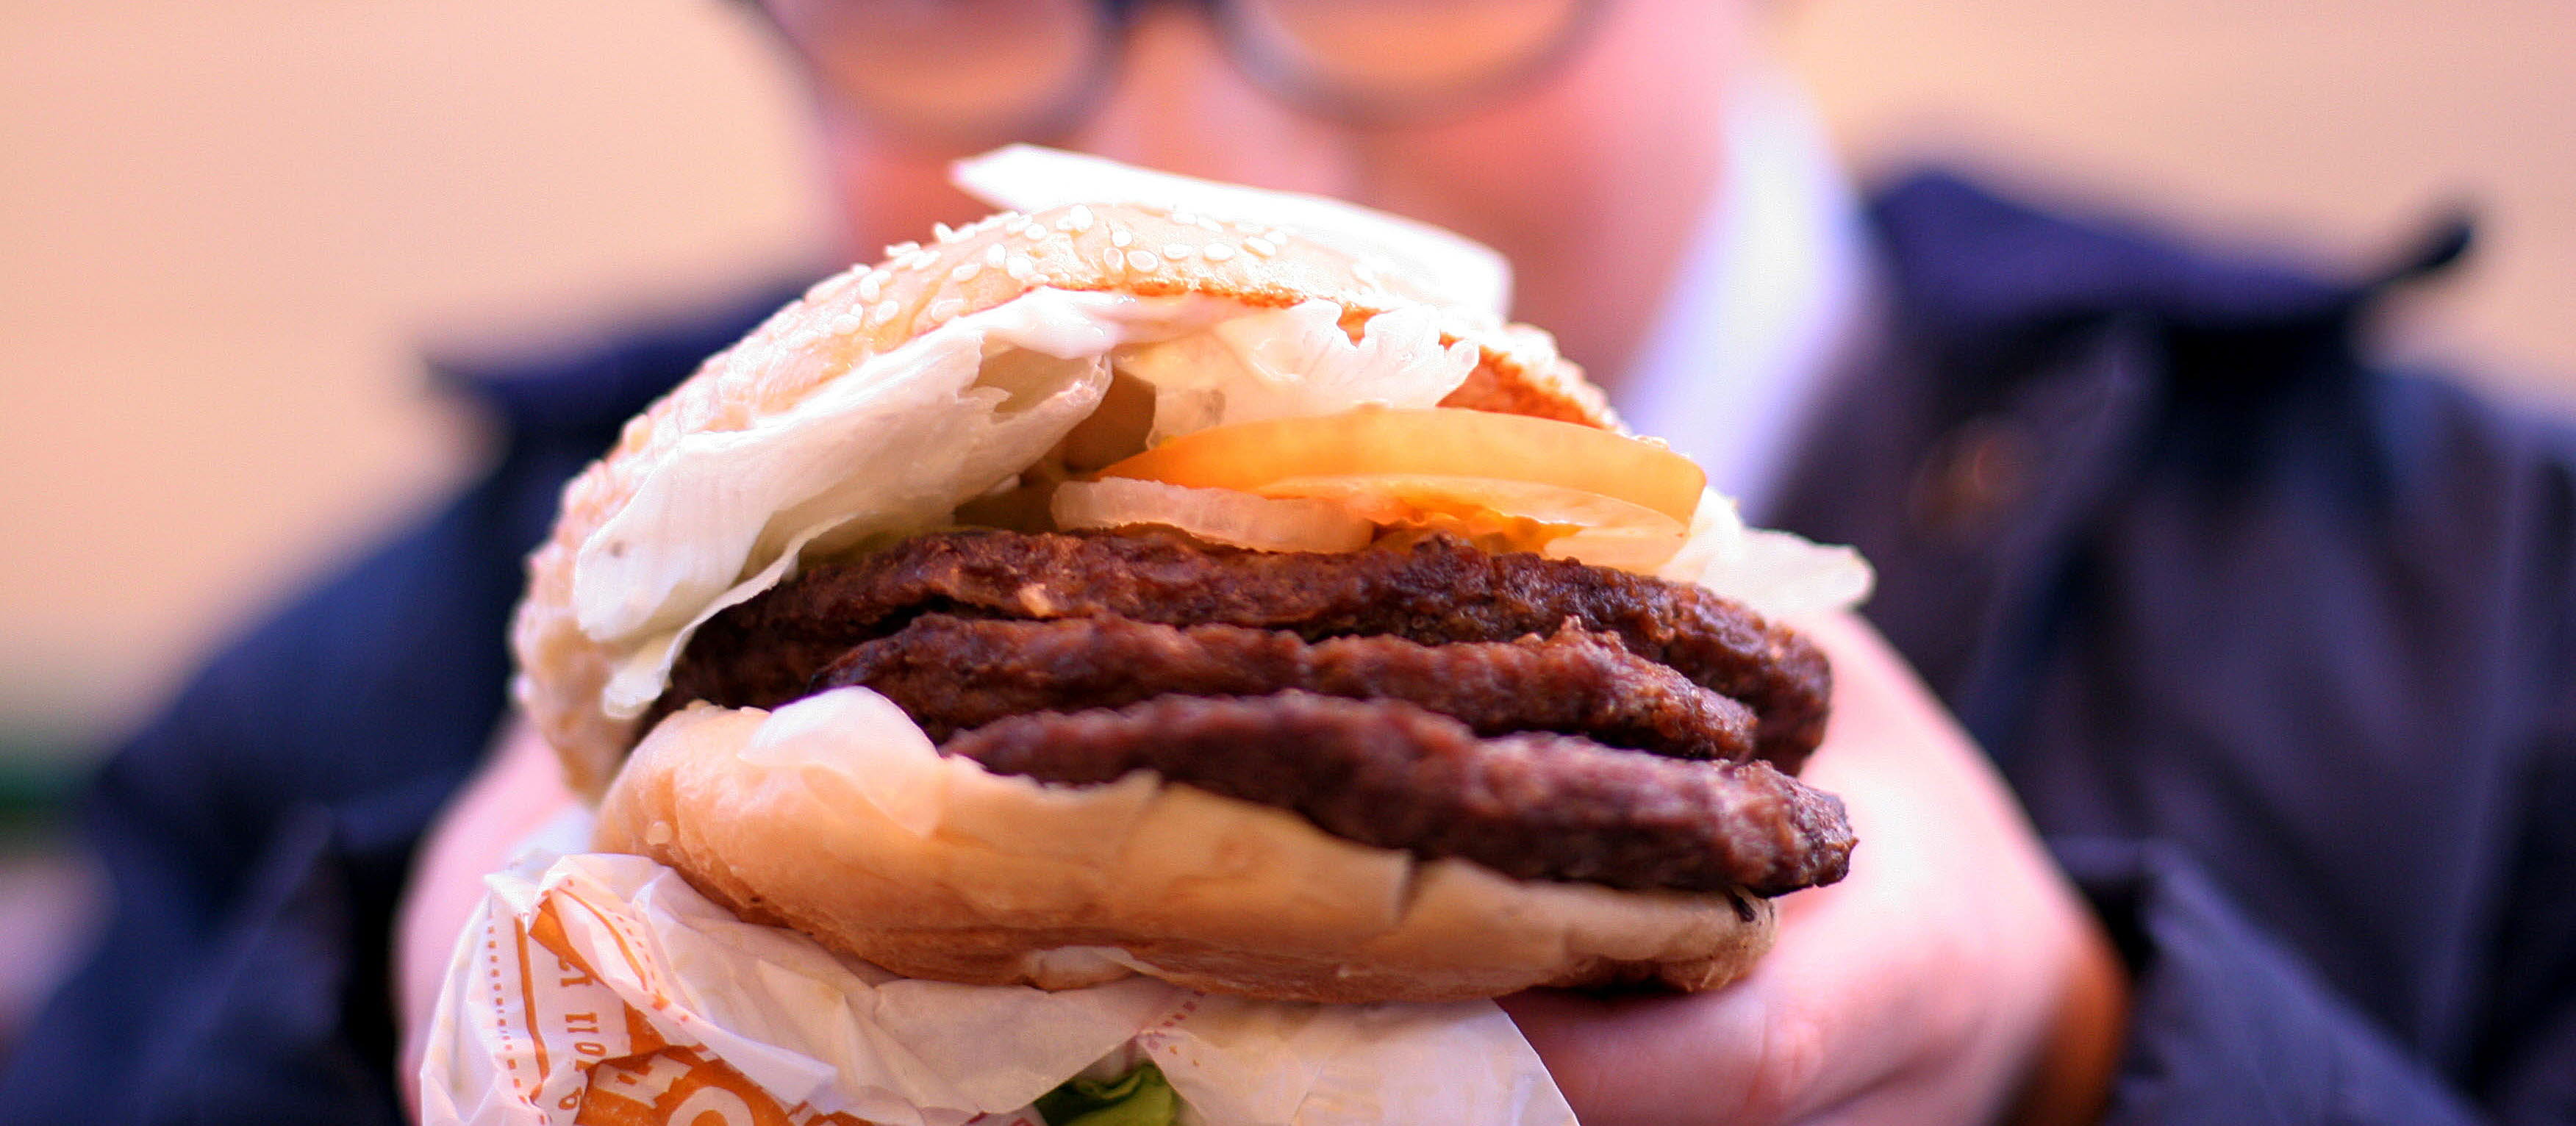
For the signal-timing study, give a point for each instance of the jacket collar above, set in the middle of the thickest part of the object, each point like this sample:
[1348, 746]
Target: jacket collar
[1982, 275]
[2032, 366]
[592, 386]
[1980, 261]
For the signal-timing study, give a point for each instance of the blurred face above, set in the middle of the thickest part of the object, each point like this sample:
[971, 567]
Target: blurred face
[1586, 164]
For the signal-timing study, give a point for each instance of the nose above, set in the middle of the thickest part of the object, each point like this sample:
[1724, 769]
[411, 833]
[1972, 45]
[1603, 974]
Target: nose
[1177, 104]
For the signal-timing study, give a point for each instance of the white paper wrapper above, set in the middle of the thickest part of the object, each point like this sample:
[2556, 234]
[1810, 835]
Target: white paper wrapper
[601, 990]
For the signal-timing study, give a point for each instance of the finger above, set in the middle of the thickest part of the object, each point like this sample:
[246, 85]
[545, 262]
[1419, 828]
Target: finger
[1642, 1059]
[518, 789]
[1820, 1021]
[1857, 989]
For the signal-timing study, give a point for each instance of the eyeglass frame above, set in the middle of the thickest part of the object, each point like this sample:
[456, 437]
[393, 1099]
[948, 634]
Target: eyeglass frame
[1117, 23]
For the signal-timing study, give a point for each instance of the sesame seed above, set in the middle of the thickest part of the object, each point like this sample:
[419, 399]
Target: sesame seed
[1218, 252]
[1185, 218]
[1112, 259]
[966, 271]
[1210, 224]
[872, 285]
[943, 232]
[943, 310]
[1178, 251]
[902, 249]
[884, 311]
[1260, 246]
[1142, 262]
[1120, 236]
[1080, 217]
[993, 254]
[847, 324]
[1020, 266]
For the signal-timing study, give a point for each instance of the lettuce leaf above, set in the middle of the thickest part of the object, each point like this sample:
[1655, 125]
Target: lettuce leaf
[1296, 362]
[1141, 1097]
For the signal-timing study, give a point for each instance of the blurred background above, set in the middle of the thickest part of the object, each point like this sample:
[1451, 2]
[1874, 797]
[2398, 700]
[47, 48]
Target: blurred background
[229, 231]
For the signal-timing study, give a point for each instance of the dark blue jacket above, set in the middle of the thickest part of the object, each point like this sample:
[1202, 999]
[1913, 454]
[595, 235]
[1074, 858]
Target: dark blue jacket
[2279, 649]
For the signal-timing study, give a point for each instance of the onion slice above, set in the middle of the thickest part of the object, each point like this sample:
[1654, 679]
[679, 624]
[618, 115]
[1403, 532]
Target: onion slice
[1216, 515]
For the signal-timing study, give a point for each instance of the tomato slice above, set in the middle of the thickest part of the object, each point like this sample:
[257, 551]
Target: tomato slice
[1438, 442]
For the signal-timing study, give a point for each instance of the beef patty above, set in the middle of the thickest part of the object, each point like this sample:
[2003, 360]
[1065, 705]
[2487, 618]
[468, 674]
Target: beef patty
[953, 673]
[768, 650]
[1437, 698]
[1387, 773]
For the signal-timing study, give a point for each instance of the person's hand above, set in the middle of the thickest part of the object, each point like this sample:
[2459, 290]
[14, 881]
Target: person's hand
[1952, 977]
[518, 791]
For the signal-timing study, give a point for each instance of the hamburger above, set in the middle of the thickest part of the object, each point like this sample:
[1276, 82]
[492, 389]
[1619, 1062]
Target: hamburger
[1188, 582]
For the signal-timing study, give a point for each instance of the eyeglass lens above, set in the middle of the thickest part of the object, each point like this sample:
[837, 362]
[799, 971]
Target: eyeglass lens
[965, 67]
[995, 68]
[1394, 57]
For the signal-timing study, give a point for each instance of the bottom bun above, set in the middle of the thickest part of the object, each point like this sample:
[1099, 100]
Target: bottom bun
[836, 816]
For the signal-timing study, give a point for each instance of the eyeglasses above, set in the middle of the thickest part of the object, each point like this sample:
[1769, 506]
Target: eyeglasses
[987, 70]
